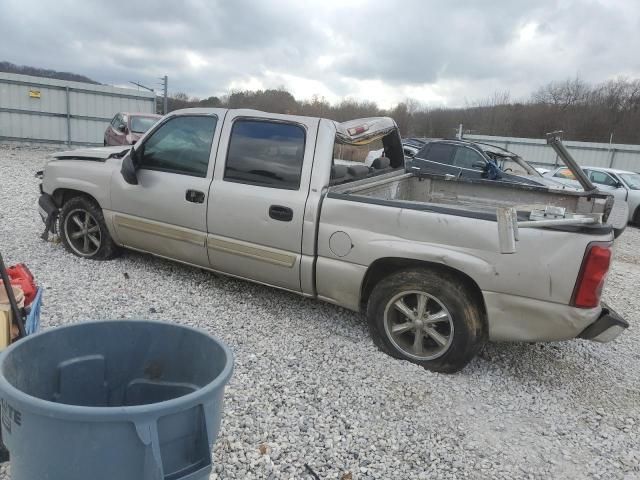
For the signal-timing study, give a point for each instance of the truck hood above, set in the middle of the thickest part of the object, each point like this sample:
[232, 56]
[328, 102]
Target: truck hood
[97, 154]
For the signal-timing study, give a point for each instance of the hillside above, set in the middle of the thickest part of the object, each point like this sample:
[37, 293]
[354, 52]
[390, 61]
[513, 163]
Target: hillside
[43, 72]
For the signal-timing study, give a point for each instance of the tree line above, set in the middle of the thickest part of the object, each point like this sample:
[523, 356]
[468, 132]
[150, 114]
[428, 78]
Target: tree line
[44, 72]
[604, 112]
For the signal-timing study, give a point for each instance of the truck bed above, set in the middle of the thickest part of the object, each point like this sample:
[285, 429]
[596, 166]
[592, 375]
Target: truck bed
[466, 196]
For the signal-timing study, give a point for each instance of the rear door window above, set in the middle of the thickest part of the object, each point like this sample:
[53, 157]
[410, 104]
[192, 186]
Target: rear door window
[265, 153]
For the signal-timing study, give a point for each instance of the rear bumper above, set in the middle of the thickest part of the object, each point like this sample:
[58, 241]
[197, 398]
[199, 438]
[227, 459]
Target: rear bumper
[607, 327]
[521, 319]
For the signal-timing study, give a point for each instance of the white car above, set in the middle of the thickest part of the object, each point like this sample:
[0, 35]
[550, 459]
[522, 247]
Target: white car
[624, 184]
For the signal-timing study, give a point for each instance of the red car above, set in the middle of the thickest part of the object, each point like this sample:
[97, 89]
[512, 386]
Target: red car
[127, 128]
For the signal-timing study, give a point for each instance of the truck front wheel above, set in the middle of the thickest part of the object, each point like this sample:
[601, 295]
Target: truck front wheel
[84, 231]
[636, 217]
[427, 317]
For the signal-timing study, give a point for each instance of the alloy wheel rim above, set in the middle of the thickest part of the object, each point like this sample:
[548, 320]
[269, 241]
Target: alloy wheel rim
[83, 232]
[419, 325]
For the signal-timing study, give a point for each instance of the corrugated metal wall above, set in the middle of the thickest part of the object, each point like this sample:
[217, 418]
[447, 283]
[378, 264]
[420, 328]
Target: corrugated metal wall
[58, 111]
[537, 152]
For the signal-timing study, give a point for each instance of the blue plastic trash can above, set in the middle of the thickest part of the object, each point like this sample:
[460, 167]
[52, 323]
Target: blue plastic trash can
[113, 400]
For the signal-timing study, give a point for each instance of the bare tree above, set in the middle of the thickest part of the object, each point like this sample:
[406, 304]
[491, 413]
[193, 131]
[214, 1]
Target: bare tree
[585, 112]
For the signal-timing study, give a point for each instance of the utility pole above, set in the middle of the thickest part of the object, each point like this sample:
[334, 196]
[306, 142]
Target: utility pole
[460, 132]
[165, 86]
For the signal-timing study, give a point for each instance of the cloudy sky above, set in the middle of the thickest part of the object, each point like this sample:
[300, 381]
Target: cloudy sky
[437, 52]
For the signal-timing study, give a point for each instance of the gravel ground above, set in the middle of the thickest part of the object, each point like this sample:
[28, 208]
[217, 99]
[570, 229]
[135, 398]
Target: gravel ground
[310, 388]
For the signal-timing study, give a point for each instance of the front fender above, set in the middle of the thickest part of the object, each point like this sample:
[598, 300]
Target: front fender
[88, 177]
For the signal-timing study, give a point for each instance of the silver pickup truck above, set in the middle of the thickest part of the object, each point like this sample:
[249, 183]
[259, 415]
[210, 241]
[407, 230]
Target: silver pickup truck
[439, 263]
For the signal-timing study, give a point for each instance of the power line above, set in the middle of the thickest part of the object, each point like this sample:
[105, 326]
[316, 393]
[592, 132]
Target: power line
[142, 86]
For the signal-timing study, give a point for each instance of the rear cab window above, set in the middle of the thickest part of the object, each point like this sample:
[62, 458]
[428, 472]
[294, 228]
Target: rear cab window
[365, 148]
[266, 153]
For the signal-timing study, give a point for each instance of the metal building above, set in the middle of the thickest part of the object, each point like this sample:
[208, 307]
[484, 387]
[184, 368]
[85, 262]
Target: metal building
[41, 109]
[587, 154]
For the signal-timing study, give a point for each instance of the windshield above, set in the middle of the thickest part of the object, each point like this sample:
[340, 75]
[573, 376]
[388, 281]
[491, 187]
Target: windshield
[510, 165]
[513, 165]
[631, 179]
[142, 124]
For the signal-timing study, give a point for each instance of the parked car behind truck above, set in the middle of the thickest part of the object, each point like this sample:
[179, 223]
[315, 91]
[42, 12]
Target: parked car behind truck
[471, 159]
[262, 197]
[127, 128]
[623, 184]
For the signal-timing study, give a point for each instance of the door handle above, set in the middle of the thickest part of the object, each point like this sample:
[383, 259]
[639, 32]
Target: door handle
[194, 196]
[278, 212]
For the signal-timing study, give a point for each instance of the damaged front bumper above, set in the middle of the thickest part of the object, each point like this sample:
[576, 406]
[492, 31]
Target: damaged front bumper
[606, 328]
[48, 212]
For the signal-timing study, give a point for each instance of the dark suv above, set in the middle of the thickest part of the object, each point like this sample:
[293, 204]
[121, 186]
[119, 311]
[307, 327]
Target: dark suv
[127, 128]
[462, 158]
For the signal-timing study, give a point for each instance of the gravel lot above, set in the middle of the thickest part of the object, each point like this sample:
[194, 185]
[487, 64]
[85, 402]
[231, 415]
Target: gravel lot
[310, 388]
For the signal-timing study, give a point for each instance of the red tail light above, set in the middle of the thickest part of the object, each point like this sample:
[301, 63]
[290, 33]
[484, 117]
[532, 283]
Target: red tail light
[593, 272]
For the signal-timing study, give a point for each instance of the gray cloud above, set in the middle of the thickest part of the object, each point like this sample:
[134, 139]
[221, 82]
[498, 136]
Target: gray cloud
[440, 51]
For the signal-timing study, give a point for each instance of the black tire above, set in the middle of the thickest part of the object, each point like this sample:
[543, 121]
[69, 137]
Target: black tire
[72, 221]
[463, 328]
[4, 453]
[636, 217]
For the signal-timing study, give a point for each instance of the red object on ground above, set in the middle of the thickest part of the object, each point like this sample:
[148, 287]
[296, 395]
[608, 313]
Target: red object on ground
[21, 276]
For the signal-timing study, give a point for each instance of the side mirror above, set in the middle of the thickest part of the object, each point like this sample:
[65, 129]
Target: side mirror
[122, 128]
[619, 185]
[128, 169]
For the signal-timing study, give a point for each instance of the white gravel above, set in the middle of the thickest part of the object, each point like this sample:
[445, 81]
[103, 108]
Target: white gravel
[310, 388]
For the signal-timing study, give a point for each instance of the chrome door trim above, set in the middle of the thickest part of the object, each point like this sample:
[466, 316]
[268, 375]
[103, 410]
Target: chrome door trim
[225, 274]
[160, 229]
[273, 256]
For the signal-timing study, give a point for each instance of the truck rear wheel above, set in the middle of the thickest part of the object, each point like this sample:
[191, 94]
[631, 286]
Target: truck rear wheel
[429, 318]
[83, 230]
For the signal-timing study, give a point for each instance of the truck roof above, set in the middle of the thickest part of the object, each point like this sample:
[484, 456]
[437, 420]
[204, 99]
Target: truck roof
[355, 132]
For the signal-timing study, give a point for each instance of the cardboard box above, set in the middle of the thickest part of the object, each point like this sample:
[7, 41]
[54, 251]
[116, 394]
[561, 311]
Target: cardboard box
[6, 317]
